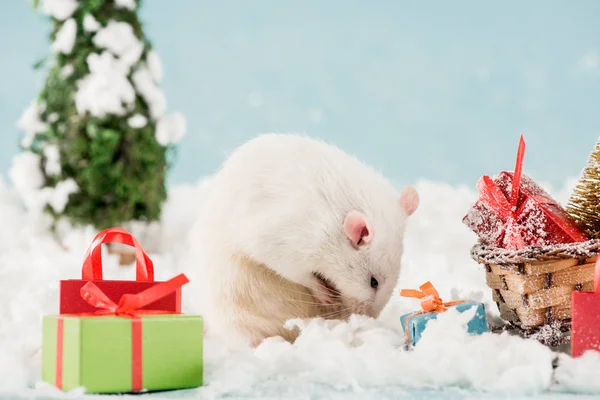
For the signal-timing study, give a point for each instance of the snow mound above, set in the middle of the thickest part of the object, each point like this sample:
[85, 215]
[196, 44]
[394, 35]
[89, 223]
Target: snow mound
[360, 356]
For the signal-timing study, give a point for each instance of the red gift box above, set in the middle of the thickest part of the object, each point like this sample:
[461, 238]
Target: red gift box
[585, 318]
[513, 212]
[70, 297]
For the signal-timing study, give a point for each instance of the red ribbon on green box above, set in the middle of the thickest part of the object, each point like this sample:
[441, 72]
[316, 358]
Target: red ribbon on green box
[129, 306]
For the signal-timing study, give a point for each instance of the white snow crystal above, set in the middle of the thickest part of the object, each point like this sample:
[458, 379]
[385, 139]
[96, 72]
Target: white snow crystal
[137, 121]
[154, 65]
[106, 88]
[90, 24]
[119, 39]
[59, 9]
[170, 128]
[31, 123]
[142, 79]
[52, 159]
[129, 4]
[65, 37]
[58, 196]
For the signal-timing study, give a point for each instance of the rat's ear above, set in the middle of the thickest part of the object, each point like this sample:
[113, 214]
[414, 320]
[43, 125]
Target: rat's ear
[357, 229]
[409, 200]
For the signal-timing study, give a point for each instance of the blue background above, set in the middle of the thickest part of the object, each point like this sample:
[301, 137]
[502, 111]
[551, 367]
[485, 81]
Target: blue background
[439, 90]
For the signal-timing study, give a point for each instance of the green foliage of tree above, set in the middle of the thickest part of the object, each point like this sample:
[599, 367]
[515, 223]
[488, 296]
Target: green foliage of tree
[584, 203]
[120, 170]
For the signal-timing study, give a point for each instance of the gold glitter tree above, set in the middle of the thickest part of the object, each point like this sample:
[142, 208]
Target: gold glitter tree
[584, 203]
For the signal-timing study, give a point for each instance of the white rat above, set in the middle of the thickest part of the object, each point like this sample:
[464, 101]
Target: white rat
[293, 227]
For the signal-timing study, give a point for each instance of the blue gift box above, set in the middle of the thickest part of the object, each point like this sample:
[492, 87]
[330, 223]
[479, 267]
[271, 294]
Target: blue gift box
[416, 324]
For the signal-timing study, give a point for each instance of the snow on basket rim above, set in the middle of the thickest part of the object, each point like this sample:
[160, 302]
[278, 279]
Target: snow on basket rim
[483, 253]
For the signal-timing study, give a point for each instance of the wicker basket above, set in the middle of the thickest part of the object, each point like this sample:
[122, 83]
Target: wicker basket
[532, 286]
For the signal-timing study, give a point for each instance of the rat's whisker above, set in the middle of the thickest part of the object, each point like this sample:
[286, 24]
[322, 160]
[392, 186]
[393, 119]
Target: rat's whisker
[332, 314]
[292, 300]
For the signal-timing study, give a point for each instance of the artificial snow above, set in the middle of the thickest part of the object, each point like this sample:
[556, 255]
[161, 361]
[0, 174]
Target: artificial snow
[59, 9]
[579, 374]
[65, 37]
[120, 40]
[146, 86]
[106, 88]
[90, 24]
[137, 121]
[154, 65]
[28, 180]
[170, 128]
[52, 155]
[330, 359]
[53, 117]
[128, 4]
[67, 71]
[58, 196]
[25, 172]
[31, 123]
[27, 177]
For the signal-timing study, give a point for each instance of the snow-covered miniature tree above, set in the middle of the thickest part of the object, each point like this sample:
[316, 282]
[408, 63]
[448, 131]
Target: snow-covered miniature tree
[97, 139]
[584, 203]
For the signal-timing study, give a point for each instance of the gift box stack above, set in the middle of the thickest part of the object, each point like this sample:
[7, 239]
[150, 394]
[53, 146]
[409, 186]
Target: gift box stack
[513, 212]
[534, 252]
[113, 336]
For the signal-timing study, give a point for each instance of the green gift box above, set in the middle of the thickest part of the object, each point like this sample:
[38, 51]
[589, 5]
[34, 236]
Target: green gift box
[126, 349]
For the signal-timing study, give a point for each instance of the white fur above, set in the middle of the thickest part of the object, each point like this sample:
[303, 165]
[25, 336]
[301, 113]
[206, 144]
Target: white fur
[274, 215]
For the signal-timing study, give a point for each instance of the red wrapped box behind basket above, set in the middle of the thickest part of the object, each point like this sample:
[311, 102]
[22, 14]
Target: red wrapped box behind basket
[585, 318]
[513, 212]
[70, 297]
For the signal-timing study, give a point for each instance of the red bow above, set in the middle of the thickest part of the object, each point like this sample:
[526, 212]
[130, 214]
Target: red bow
[492, 196]
[130, 304]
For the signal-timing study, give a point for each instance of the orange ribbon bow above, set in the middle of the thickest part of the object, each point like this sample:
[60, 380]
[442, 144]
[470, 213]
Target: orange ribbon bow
[430, 301]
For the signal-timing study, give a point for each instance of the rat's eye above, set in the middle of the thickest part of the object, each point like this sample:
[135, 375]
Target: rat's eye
[374, 283]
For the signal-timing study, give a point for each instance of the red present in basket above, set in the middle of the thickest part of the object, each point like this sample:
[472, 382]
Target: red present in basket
[70, 297]
[513, 212]
[585, 318]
